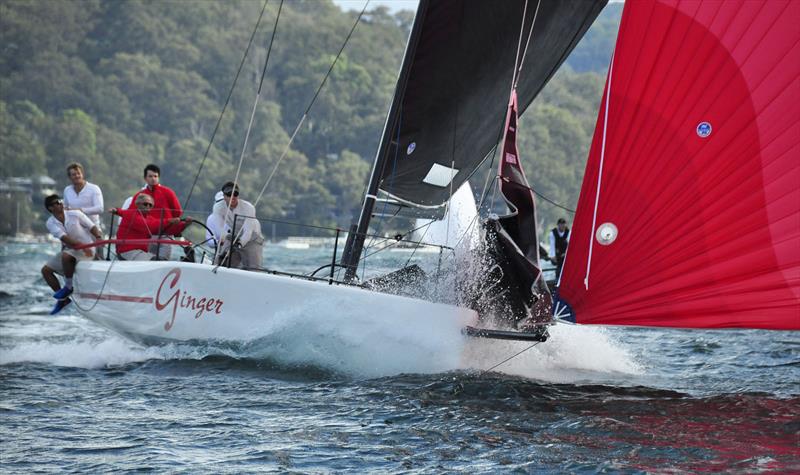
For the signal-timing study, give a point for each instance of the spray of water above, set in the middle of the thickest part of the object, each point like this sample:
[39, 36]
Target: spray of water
[338, 342]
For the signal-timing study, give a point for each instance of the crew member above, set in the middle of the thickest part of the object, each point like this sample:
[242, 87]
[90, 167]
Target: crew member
[140, 223]
[72, 228]
[165, 203]
[559, 239]
[82, 195]
[241, 240]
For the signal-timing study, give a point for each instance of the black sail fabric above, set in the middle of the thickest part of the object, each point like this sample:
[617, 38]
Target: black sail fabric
[454, 103]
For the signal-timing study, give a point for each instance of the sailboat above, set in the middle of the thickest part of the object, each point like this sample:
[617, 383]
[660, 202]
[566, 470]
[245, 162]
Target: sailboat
[689, 215]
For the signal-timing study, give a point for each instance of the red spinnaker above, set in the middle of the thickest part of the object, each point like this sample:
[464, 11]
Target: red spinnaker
[696, 163]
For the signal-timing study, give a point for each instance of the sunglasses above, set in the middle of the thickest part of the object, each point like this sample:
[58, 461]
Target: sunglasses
[235, 193]
[146, 205]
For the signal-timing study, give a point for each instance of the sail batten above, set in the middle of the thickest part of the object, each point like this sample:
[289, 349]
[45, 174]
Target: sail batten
[702, 172]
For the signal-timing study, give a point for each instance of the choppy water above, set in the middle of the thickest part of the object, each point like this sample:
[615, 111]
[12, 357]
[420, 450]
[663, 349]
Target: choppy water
[75, 397]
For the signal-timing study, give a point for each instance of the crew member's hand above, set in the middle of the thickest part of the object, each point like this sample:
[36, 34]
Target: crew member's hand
[114, 211]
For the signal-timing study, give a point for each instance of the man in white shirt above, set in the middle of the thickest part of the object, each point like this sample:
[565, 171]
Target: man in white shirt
[216, 220]
[82, 195]
[72, 228]
[241, 240]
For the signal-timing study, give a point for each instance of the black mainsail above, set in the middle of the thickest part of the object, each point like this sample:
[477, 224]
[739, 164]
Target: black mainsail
[452, 94]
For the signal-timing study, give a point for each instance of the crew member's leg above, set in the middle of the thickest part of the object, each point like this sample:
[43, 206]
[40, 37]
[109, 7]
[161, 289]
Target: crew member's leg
[51, 279]
[50, 269]
[62, 295]
[69, 262]
[252, 254]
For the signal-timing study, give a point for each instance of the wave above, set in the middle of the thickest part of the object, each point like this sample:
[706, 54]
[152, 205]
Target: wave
[326, 344]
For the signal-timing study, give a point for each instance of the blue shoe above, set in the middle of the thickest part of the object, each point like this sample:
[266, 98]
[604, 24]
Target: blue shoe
[60, 306]
[63, 293]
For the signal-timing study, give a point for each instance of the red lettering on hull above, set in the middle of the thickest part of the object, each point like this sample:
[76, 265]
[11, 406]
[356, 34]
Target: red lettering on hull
[182, 299]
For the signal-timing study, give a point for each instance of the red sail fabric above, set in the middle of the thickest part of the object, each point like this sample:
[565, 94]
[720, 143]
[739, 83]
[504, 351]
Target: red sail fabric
[696, 163]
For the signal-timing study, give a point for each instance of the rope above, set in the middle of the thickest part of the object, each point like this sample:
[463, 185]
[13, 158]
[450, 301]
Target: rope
[519, 45]
[540, 195]
[427, 227]
[527, 43]
[508, 359]
[311, 104]
[599, 175]
[224, 107]
[102, 288]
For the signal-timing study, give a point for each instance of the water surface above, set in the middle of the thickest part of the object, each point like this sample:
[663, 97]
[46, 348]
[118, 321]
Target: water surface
[76, 397]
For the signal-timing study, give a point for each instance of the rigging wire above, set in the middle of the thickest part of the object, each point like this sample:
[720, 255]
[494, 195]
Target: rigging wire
[519, 61]
[225, 106]
[518, 72]
[228, 210]
[255, 103]
[310, 105]
[519, 45]
[391, 185]
[508, 359]
[448, 208]
[541, 196]
[427, 227]
[517, 69]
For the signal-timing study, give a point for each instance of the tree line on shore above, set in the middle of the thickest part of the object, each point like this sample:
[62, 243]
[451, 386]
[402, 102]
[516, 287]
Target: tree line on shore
[116, 85]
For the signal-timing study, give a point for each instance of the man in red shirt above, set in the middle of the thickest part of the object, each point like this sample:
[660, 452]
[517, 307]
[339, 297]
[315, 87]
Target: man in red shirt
[166, 204]
[140, 223]
[165, 201]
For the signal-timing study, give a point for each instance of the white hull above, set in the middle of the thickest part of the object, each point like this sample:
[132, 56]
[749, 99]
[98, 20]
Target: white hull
[150, 301]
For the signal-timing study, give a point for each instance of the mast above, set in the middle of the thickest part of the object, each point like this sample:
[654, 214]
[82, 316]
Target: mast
[355, 241]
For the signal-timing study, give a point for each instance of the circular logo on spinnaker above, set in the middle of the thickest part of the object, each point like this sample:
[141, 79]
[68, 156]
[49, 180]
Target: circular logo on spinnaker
[606, 233]
[411, 147]
[703, 129]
